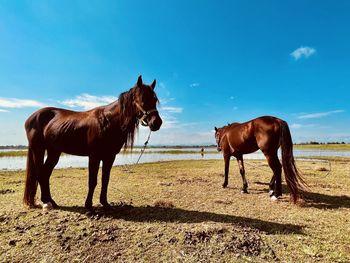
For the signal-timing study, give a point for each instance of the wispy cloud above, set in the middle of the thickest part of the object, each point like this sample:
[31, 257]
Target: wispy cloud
[172, 109]
[169, 121]
[303, 52]
[13, 103]
[2, 110]
[164, 101]
[318, 115]
[299, 126]
[194, 85]
[87, 101]
[170, 113]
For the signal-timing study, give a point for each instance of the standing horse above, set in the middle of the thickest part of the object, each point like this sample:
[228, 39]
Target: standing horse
[267, 134]
[99, 133]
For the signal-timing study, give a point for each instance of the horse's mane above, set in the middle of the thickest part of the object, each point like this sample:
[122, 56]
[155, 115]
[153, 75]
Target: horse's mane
[229, 125]
[128, 121]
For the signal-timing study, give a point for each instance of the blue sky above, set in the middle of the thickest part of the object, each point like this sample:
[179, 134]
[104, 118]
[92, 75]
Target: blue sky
[215, 62]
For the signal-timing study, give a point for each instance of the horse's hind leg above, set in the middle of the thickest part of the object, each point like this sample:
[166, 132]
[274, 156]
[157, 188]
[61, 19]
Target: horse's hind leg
[44, 177]
[38, 154]
[94, 164]
[242, 172]
[276, 167]
[272, 185]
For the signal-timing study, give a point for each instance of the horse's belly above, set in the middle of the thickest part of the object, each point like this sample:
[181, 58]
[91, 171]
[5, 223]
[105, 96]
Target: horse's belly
[76, 152]
[246, 149]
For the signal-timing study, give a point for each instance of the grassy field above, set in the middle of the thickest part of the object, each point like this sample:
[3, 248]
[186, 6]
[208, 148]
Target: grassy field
[178, 212]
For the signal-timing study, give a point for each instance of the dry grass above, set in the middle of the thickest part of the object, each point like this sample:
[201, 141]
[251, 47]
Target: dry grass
[178, 212]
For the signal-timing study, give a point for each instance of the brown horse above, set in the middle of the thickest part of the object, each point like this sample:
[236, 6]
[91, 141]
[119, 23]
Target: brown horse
[99, 133]
[267, 134]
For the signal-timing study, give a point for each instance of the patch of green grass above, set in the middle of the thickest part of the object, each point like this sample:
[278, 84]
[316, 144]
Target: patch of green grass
[178, 212]
[328, 147]
[13, 153]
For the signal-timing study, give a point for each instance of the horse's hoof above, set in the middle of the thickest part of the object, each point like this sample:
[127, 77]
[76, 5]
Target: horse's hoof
[54, 205]
[224, 185]
[89, 213]
[270, 192]
[244, 192]
[274, 198]
[47, 206]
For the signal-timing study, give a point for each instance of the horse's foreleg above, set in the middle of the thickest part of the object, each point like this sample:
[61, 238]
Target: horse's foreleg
[106, 170]
[227, 167]
[242, 172]
[94, 164]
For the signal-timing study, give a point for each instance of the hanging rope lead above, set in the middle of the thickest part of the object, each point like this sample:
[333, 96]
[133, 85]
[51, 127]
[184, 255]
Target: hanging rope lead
[144, 147]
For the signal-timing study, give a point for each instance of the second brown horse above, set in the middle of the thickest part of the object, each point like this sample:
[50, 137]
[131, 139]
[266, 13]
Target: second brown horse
[267, 134]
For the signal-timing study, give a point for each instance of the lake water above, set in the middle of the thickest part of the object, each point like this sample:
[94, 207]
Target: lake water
[19, 163]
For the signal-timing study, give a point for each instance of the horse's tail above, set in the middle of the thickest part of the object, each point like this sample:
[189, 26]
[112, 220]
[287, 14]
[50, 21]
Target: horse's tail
[294, 180]
[31, 183]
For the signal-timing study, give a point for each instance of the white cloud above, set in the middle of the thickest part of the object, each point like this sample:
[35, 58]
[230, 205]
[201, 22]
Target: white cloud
[19, 103]
[194, 85]
[169, 114]
[166, 100]
[87, 101]
[172, 109]
[2, 110]
[303, 52]
[318, 114]
[299, 126]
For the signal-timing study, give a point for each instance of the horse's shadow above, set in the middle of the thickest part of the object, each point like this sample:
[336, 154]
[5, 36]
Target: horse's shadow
[178, 215]
[320, 201]
[323, 201]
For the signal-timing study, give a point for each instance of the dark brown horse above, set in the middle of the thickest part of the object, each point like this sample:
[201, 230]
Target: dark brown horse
[267, 134]
[99, 133]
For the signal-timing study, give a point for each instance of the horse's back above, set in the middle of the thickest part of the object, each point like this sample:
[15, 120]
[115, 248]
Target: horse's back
[267, 124]
[249, 136]
[48, 121]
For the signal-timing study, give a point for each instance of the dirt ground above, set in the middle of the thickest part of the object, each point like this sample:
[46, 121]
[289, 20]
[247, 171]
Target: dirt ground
[178, 212]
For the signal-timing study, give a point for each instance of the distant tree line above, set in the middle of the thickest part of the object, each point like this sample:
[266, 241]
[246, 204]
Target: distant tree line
[13, 147]
[317, 143]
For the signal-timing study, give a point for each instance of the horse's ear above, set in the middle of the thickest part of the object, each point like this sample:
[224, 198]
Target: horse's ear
[216, 129]
[153, 85]
[139, 81]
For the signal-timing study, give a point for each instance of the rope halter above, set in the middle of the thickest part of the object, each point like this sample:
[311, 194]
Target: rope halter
[143, 120]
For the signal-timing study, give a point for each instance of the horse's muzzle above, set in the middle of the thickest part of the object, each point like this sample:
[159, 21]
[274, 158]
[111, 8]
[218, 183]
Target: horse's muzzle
[218, 148]
[155, 123]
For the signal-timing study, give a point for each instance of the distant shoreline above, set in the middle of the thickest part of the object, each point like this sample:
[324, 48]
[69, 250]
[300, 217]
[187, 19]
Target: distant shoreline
[22, 151]
[321, 146]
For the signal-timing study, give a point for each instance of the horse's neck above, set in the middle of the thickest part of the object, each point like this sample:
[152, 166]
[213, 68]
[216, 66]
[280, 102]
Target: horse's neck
[113, 112]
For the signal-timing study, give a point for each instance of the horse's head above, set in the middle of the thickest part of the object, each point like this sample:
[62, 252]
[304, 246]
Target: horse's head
[146, 100]
[218, 135]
